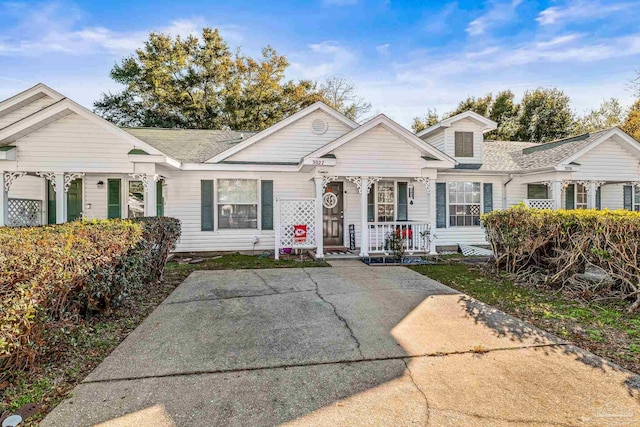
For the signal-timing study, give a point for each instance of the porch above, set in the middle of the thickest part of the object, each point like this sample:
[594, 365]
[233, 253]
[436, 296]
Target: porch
[582, 194]
[33, 198]
[359, 216]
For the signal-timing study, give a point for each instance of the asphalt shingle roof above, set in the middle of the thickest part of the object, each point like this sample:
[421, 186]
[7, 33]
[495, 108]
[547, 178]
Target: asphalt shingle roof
[190, 145]
[515, 155]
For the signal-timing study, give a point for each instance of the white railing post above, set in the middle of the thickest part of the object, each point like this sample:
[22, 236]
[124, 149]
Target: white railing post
[319, 226]
[364, 232]
[277, 227]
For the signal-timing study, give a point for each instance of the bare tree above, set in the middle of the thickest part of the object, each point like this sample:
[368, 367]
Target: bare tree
[341, 94]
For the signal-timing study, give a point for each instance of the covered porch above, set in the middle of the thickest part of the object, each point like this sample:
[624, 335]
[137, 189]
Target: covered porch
[33, 198]
[583, 194]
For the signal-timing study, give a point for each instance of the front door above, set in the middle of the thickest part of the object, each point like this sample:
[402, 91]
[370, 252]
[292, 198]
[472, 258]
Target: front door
[74, 201]
[332, 218]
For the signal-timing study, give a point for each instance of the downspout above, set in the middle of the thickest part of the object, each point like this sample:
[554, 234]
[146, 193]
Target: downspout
[504, 191]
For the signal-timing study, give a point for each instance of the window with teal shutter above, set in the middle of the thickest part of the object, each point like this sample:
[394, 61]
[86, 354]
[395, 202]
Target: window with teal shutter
[570, 194]
[159, 199]
[441, 205]
[206, 205]
[628, 197]
[487, 189]
[114, 199]
[266, 204]
[403, 204]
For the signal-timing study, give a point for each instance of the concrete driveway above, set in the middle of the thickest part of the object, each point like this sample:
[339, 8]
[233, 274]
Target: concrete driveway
[342, 346]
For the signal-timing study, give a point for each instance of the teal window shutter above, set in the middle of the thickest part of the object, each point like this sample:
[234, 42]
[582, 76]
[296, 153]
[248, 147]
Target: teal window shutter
[159, 199]
[441, 205]
[598, 202]
[628, 197]
[569, 195]
[266, 199]
[206, 204]
[403, 203]
[114, 198]
[371, 204]
[487, 189]
[51, 204]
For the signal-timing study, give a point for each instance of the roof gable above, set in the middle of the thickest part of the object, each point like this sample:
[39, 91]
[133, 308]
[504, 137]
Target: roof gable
[281, 125]
[487, 123]
[393, 127]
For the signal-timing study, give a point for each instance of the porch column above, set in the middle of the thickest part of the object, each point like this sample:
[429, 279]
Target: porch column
[150, 196]
[4, 199]
[591, 187]
[318, 224]
[364, 227]
[556, 193]
[433, 219]
[61, 198]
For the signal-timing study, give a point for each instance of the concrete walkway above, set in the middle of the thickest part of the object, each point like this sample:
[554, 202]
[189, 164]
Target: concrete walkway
[344, 346]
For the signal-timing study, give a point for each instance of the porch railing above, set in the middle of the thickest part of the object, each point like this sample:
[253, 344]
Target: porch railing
[540, 203]
[414, 234]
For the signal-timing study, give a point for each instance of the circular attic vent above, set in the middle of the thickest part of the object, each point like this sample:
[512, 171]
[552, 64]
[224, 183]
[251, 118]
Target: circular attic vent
[319, 126]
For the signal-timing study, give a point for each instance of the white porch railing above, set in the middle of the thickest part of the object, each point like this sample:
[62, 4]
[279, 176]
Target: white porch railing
[540, 203]
[415, 235]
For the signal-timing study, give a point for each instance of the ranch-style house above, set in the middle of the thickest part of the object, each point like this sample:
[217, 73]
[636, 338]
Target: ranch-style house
[316, 180]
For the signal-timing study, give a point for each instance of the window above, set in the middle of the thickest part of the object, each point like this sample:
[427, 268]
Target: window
[464, 144]
[135, 201]
[636, 199]
[237, 203]
[581, 196]
[537, 191]
[386, 201]
[464, 204]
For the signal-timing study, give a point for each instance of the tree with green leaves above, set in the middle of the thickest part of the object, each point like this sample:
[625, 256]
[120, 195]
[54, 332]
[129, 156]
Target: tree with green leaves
[632, 123]
[609, 114]
[544, 115]
[199, 83]
[481, 105]
[429, 119]
[341, 94]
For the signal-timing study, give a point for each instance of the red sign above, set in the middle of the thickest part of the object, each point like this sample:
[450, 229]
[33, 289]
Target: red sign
[300, 233]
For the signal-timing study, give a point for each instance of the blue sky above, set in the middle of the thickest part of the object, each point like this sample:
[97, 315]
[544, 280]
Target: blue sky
[404, 56]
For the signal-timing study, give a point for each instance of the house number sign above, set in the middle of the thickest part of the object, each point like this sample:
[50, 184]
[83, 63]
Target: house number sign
[329, 200]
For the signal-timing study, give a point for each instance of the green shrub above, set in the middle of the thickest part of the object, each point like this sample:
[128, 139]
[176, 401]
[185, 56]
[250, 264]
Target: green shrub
[52, 273]
[560, 245]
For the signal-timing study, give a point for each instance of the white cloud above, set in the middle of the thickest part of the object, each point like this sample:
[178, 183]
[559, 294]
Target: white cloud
[498, 13]
[438, 23]
[583, 10]
[321, 60]
[383, 49]
[54, 27]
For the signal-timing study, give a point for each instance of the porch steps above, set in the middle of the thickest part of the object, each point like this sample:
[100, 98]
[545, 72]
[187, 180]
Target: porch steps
[340, 253]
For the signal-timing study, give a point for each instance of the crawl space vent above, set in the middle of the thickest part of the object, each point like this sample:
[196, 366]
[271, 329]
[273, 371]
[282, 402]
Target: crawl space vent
[319, 126]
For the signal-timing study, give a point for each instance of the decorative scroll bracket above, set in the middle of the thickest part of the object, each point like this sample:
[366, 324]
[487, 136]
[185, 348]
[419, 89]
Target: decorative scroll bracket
[372, 181]
[356, 180]
[426, 182]
[326, 180]
[49, 176]
[69, 178]
[9, 177]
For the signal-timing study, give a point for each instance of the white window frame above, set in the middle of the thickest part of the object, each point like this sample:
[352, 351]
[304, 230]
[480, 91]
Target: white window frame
[448, 203]
[635, 206]
[216, 218]
[575, 197]
[374, 190]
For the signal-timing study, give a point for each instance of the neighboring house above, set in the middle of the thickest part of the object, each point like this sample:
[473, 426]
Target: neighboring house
[240, 190]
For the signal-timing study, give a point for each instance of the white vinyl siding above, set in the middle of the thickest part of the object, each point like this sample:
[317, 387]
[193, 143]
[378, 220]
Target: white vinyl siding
[10, 117]
[73, 144]
[28, 187]
[293, 142]
[436, 139]
[378, 152]
[608, 161]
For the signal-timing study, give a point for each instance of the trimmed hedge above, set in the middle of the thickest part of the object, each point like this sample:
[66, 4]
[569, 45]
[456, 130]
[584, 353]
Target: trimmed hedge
[52, 273]
[558, 246]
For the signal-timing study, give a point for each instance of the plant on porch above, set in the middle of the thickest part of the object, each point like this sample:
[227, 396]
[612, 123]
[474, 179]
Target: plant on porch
[595, 254]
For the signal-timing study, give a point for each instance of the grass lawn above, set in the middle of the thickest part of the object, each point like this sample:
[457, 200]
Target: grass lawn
[73, 351]
[604, 328]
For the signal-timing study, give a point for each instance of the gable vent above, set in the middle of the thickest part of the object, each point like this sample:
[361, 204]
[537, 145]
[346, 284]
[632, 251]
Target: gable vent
[319, 126]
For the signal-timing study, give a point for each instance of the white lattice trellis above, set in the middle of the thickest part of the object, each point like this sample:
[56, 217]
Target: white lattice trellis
[23, 213]
[540, 203]
[291, 212]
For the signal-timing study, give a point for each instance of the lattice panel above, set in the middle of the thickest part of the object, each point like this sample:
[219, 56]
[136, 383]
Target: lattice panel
[24, 213]
[540, 203]
[297, 212]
